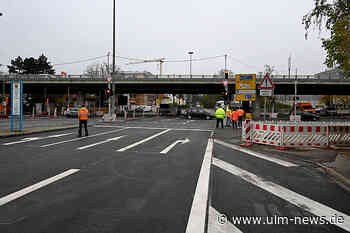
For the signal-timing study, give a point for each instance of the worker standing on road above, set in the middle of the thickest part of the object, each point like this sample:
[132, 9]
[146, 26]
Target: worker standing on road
[228, 116]
[234, 119]
[83, 118]
[240, 112]
[220, 115]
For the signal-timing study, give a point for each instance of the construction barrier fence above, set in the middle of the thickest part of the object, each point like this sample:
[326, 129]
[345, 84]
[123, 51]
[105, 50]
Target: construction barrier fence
[287, 134]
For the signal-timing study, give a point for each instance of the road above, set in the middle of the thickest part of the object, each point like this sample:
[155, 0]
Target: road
[114, 180]
[146, 175]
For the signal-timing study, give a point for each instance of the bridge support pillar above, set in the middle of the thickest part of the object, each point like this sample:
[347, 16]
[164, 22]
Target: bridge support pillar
[256, 108]
[113, 100]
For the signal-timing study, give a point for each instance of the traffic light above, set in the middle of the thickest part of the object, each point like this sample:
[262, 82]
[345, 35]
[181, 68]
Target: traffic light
[109, 92]
[47, 100]
[226, 75]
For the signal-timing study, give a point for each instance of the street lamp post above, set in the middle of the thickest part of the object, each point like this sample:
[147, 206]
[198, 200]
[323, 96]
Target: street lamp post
[190, 53]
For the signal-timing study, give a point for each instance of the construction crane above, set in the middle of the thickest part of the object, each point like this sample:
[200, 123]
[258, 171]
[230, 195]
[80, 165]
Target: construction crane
[160, 60]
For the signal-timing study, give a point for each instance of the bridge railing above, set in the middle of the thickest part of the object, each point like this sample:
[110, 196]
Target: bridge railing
[129, 75]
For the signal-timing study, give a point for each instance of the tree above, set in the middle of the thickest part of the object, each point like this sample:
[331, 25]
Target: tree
[31, 66]
[335, 17]
[99, 69]
[269, 69]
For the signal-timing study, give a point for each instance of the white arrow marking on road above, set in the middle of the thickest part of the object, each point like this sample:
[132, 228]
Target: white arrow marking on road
[35, 138]
[166, 150]
[302, 202]
[99, 143]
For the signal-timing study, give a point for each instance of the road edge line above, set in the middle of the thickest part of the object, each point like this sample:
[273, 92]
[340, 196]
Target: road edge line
[197, 220]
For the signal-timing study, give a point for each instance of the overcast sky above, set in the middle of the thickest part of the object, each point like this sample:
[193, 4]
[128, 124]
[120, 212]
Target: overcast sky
[253, 33]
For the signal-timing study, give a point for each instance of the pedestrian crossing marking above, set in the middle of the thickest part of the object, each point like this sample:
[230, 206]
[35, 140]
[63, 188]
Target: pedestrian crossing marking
[296, 199]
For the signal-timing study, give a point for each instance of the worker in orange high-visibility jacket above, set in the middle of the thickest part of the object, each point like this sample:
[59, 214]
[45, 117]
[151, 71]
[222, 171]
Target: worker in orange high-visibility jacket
[228, 116]
[83, 118]
[234, 119]
[240, 112]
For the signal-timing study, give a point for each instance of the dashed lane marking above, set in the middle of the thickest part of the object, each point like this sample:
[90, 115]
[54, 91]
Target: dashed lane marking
[302, 202]
[155, 128]
[77, 139]
[142, 141]
[257, 154]
[99, 143]
[29, 139]
[34, 187]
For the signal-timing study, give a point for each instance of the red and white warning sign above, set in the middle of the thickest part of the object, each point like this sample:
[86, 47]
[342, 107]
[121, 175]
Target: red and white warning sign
[266, 83]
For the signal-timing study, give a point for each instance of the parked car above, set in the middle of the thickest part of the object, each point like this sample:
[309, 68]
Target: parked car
[71, 112]
[197, 112]
[331, 111]
[306, 116]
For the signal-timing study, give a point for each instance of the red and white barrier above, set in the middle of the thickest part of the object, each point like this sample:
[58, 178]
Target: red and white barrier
[296, 134]
[246, 133]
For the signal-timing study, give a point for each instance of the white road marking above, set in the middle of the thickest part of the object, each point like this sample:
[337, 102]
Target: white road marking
[302, 202]
[35, 138]
[99, 143]
[34, 187]
[257, 154]
[171, 146]
[197, 218]
[77, 139]
[142, 141]
[156, 128]
[215, 227]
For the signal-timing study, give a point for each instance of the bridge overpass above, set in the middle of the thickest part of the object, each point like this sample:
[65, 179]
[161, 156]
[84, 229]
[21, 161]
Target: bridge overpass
[176, 84]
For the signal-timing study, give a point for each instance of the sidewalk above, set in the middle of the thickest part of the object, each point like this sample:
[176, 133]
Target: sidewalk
[336, 162]
[40, 126]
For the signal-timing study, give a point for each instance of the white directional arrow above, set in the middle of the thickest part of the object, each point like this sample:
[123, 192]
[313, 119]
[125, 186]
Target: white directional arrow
[99, 143]
[35, 138]
[167, 149]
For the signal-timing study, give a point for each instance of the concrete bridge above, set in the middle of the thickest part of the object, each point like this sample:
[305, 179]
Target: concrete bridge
[195, 84]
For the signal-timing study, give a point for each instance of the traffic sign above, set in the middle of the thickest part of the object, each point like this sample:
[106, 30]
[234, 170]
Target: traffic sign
[266, 92]
[266, 83]
[244, 97]
[246, 92]
[245, 81]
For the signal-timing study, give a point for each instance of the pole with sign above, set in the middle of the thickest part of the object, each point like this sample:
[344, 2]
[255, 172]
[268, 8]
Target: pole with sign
[17, 105]
[266, 89]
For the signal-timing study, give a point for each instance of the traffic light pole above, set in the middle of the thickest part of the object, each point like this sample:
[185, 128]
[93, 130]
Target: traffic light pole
[109, 102]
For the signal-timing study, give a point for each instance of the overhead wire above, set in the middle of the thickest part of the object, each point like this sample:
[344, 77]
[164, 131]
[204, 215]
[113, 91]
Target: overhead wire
[80, 61]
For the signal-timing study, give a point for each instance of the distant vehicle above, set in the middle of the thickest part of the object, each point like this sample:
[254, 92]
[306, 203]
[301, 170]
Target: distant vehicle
[164, 107]
[197, 112]
[306, 116]
[220, 103]
[147, 108]
[331, 111]
[319, 108]
[71, 112]
[307, 107]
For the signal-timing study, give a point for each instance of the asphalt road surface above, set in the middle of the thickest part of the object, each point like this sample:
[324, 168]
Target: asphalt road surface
[127, 177]
[143, 176]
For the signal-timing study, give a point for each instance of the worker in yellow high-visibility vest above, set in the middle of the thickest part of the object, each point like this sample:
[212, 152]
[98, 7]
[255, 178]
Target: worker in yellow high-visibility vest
[220, 115]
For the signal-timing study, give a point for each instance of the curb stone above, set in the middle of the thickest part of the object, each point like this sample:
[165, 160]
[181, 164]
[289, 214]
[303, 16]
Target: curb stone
[36, 131]
[340, 179]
